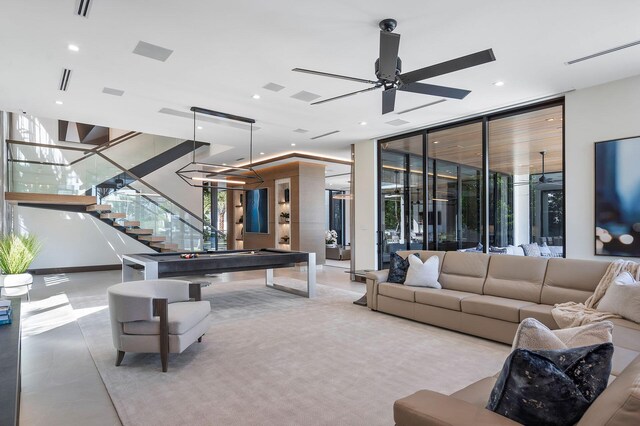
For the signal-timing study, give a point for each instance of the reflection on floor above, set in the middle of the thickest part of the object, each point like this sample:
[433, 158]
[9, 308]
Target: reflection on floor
[346, 264]
[60, 383]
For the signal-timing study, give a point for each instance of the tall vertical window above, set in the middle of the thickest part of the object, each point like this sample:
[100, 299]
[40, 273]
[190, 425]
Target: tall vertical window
[524, 185]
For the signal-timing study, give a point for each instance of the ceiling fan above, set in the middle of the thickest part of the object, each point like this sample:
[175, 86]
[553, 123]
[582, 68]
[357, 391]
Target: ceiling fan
[388, 68]
[543, 177]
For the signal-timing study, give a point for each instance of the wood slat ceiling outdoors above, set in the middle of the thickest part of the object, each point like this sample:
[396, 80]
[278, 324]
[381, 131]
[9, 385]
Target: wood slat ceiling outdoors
[515, 143]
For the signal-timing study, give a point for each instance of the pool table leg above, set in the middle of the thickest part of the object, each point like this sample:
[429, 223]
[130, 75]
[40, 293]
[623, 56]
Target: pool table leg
[311, 276]
[268, 277]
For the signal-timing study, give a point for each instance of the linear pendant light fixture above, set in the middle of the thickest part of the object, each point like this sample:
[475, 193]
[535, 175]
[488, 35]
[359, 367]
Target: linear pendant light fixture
[223, 177]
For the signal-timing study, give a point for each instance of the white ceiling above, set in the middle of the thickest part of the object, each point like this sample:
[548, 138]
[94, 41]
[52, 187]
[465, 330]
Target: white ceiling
[224, 52]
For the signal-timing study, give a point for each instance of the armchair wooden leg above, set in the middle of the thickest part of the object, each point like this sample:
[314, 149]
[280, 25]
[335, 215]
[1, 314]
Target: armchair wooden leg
[119, 358]
[161, 309]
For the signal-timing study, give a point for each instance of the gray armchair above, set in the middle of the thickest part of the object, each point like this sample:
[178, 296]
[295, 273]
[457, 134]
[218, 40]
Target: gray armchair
[156, 316]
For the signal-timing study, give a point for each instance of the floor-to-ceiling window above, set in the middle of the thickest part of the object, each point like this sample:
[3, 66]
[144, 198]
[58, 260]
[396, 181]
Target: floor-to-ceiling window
[402, 196]
[521, 152]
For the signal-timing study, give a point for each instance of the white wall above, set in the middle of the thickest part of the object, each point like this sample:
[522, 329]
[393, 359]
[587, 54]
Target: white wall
[169, 183]
[598, 113]
[73, 239]
[365, 208]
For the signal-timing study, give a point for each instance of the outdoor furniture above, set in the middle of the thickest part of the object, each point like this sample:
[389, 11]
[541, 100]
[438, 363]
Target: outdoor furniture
[339, 253]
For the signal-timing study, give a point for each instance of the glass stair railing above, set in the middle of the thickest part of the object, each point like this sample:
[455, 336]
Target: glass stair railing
[153, 219]
[122, 199]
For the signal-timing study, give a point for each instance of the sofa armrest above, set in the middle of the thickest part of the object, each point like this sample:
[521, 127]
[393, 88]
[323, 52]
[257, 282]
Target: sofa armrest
[380, 276]
[425, 408]
[373, 279]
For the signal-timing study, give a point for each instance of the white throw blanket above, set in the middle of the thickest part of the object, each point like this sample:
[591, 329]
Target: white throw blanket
[571, 314]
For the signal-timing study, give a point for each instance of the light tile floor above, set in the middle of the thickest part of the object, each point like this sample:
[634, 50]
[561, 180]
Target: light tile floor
[60, 382]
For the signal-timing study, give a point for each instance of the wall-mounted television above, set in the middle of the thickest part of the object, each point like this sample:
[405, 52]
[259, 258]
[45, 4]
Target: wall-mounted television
[617, 197]
[257, 211]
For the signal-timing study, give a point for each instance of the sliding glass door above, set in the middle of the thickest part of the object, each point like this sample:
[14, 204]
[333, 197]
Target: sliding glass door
[402, 197]
[492, 184]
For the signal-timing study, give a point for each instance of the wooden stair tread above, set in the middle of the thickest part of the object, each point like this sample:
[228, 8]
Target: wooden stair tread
[164, 246]
[137, 231]
[162, 250]
[151, 238]
[99, 208]
[38, 198]
[128, 223]
[113, 215]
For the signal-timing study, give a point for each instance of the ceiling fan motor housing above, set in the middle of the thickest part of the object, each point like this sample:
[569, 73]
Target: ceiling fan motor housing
[398, 69]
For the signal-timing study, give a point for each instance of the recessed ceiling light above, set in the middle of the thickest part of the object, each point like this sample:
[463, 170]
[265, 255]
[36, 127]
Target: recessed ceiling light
[59, 102]
[262, 153]
[550, 119]
[199, 127]
[73, 48]
[436, 141]
[363, 123]
[293, 144]
[499, 83]
[256, 96]
[224, 164]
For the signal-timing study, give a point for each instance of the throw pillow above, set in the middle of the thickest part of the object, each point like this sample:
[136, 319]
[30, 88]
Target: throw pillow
[545, 251]
[423, 274]
[531, 249]
[398, 267]
[534, 335]
[551, 387]
[622, 298]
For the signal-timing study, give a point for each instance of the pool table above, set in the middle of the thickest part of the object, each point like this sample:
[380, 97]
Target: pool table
[165, 265]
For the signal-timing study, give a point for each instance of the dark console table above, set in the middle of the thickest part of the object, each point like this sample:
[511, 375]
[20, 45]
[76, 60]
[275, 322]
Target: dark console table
[10, 368]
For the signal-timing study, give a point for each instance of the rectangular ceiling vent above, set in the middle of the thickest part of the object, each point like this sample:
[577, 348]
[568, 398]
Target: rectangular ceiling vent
[326, 134]
[64, 81]
[604, 52]
[422, 106]
[82, 8]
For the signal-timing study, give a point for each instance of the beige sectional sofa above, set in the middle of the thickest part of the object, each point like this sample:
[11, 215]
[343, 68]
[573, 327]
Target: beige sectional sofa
[488, 296]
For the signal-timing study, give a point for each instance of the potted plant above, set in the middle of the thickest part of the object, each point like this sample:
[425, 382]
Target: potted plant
[284, 217]
[16, 254]
[331, 238]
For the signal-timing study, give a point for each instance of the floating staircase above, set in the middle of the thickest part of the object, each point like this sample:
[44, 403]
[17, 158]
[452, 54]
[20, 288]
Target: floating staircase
[130, 227]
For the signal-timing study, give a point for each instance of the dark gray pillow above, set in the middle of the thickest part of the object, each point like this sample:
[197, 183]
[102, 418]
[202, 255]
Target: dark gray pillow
[551, 388]
[398, 268]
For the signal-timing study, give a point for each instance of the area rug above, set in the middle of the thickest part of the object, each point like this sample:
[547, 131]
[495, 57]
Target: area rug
[271, 358]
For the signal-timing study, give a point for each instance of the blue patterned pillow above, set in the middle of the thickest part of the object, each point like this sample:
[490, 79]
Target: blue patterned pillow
[398, 267]
[551, 388]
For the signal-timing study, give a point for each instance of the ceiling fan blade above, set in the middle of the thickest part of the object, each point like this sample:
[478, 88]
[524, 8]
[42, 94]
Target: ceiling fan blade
[345, 95]
[389, 45]
[388, 100]
[326, 74]
[457, 64]
[432, 89]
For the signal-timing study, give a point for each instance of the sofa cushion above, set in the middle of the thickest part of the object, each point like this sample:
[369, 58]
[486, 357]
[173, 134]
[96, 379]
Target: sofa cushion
[540, 312]
[464, 271]
[477, 393]
[531, 249]
[516, 277]
[619, 404]
[551, 387]
[423, 254]
[397, 291]
[423, 274]
[182, 317]
[494, 307]
[571, 280]
[449, 299]
[626, 333]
